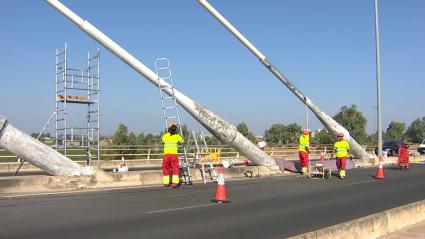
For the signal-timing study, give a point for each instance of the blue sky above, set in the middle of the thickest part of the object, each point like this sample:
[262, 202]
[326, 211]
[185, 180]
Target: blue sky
[327, 48]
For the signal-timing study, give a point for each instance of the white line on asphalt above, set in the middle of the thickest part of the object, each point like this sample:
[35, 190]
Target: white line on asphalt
[182, 208]
[368, 181]
[173, 195]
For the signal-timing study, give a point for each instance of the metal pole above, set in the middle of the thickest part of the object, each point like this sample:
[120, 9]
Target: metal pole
[35, 152]
[326, 120]
[220, 128]
[378, 82]
[38, 137]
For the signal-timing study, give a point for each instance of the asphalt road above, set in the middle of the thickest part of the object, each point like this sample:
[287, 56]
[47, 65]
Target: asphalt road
[265, 207]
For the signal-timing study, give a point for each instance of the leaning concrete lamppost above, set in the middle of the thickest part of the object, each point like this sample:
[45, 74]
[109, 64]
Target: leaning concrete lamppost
[326, 120]
[220, 128]
[37, 153]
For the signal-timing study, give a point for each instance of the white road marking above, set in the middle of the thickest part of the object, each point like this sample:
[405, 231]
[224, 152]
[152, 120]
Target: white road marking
[181, 208]
[368, 181]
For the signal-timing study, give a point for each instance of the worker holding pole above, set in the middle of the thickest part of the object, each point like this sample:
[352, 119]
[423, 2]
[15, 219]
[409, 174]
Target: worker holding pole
[342, 150]
[170, 160]
[303, 150]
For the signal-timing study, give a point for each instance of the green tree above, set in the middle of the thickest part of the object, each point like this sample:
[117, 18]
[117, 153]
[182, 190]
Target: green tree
[292, 133]
[416, 131]
[140, 139]
[132, 141]
[151, 139]
[243, 129]
[395, 131]
[212, 140]
[354, 121]
[323, 137]
[120, 136]
[275, 135]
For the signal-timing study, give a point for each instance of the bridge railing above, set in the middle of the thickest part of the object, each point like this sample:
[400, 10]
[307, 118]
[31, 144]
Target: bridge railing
[154, 152]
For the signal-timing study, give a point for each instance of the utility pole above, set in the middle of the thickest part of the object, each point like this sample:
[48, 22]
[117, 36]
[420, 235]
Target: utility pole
[378, 82]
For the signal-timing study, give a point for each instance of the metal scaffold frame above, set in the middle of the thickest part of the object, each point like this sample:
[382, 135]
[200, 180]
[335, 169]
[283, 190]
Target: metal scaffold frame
[79, 87]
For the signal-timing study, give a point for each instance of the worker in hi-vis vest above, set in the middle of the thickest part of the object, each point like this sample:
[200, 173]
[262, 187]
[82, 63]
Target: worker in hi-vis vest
[303, 150]
[342, 150]
[170, 160]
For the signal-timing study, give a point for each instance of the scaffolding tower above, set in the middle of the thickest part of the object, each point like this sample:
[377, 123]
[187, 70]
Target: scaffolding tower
[78, 87]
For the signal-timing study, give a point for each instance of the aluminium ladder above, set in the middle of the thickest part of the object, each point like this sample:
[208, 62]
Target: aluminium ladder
[203, 159]
[171, 110]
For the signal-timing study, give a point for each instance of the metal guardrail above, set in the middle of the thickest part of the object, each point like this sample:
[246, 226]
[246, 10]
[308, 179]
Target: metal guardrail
[154, 152]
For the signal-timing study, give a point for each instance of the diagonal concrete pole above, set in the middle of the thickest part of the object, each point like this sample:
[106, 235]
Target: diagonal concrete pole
[326, 120]
[37, 153]
[220, 128]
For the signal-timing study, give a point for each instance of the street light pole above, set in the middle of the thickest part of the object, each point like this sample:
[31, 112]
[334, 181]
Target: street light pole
[378, 82]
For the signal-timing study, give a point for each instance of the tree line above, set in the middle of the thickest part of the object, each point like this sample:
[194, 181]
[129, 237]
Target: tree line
[279, 134]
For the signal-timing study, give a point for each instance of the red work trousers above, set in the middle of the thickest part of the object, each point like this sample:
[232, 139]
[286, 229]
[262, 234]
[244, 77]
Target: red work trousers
[170, 162]
[303, 159]
[341, 162]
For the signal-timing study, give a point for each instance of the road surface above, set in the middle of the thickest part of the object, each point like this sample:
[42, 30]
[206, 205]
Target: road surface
[264, 207]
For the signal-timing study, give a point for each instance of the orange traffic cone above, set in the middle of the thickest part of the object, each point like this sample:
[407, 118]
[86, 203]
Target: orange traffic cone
[220, 195]
[322, 156]
[380, 172]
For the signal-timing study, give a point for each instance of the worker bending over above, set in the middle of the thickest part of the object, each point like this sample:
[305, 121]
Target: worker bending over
[342, 150]
[303, 150]
[170, 160]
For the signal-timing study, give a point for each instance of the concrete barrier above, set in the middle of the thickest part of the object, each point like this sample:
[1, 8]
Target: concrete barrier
[372, 226]
[102, 179]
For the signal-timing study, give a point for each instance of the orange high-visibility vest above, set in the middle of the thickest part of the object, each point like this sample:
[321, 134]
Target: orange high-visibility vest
[171, 142]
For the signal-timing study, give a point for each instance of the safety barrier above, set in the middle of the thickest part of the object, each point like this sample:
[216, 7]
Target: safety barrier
[154, 152]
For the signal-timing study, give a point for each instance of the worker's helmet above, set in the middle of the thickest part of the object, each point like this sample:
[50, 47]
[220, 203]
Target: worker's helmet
[340, 134]
[306, 131]
[172, 125]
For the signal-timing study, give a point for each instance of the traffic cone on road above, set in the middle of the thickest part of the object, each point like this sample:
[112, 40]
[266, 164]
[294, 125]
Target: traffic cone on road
[220, 195]
[123, 166]
[322, 156]
[380, 172]
[122, 161]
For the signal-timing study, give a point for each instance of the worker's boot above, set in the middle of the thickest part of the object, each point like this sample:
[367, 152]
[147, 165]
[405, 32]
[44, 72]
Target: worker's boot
[304, 170]
[342, 174]
[166, 180]
[176, 181]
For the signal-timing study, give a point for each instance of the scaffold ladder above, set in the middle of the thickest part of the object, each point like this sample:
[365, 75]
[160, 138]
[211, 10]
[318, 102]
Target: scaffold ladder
[170, 110]
[203, 158]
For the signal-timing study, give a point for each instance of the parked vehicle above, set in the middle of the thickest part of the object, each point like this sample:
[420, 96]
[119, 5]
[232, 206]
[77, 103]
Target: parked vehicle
[421, 148]
[390, 147]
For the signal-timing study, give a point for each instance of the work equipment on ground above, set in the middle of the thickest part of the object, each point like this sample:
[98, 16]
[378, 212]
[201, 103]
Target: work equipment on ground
[202, 158]
[220, 194]
[170, 110]
[319, 170]
[403, 157]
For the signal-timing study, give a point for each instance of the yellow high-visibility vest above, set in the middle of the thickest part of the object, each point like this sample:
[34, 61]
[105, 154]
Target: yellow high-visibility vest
[171, 142]
[341, 148]
[304, 143]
